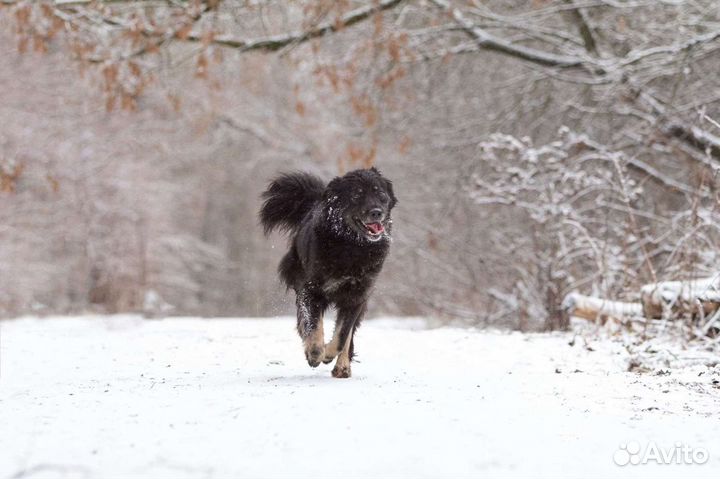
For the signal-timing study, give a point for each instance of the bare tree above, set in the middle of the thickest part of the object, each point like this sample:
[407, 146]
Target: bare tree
[503, 209]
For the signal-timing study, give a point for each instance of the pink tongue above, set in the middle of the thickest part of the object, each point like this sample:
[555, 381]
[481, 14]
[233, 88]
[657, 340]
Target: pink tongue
[376, 228]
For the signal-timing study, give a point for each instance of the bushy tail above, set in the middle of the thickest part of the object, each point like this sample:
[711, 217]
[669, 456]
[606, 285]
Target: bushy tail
[288, 199]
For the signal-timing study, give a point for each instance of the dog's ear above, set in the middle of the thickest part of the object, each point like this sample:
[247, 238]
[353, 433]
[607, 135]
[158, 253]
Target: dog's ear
[390, 192]
[331, 189]
[388, 187]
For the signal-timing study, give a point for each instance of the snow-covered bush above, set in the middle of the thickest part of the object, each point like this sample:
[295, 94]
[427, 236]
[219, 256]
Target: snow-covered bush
[586, 223]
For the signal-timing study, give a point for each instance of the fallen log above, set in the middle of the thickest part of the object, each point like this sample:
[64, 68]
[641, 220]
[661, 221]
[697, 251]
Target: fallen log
[674, 299]
[592, 308]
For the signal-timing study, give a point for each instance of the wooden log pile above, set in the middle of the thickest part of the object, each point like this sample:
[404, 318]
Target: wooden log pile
[592, 308]
[697, 299]
[681, 298]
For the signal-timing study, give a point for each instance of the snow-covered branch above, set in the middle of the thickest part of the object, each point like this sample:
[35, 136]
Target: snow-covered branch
[277, 42]
[486, 40]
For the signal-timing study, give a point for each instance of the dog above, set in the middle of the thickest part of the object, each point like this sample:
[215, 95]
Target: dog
[340, 236]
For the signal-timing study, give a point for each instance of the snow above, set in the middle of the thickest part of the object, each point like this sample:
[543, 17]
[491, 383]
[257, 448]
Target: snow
[183, 397]
[600, 307]
[671, 292]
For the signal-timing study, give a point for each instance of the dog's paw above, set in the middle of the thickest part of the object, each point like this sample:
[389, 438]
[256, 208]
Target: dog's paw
[341, 372]
[314, 355]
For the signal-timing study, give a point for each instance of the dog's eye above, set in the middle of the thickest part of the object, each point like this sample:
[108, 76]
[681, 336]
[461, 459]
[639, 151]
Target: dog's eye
[383, 197]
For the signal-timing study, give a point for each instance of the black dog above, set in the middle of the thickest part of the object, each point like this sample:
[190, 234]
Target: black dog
[340, 238]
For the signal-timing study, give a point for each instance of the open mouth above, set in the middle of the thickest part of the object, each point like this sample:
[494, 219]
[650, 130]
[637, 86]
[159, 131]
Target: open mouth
[374, 229]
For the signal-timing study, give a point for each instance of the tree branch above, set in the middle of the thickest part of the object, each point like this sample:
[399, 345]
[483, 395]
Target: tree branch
[277, 42]
[491, 42]
[586, 31]
[693, 136]
[638, 55]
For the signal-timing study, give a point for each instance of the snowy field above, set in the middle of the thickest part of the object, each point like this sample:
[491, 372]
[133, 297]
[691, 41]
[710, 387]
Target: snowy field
[125, 397]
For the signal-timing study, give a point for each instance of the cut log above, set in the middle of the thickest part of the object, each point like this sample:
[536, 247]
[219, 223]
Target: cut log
[592, 308]
[674, 299]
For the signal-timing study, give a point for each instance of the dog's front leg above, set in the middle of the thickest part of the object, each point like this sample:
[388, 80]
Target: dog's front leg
[349, 318]
[310, 309]
[333, 347]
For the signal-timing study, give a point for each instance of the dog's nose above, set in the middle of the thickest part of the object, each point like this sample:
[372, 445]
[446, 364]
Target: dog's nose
[376, 214]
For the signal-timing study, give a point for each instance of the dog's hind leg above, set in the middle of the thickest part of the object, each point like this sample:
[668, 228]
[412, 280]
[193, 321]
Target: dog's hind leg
[351, 317]
[310, 309]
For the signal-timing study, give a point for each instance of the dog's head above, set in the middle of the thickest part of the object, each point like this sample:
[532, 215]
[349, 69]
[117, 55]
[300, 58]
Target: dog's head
[359, 204]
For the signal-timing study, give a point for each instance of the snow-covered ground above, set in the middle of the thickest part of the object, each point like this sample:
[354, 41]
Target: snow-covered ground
[125, 397]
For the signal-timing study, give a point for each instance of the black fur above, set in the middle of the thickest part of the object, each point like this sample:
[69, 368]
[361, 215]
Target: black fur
[336, 252]
[288, 199]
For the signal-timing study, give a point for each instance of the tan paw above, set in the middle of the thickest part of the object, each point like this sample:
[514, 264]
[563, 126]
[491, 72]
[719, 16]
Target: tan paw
[341, 371]
[314, 354]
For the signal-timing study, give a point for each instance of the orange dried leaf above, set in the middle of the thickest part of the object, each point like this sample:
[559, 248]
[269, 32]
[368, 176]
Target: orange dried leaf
[128, 102]
[152, 47]
[378, 24]
[183, 32]
[207, 38]
[175, 101]
[110, 103]
[8, 180]
[54, 183]
[22, 44]
[300, 108]
[404, 145]
[201, 68]
[217, 55]
[39, 44]
[134, 69]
